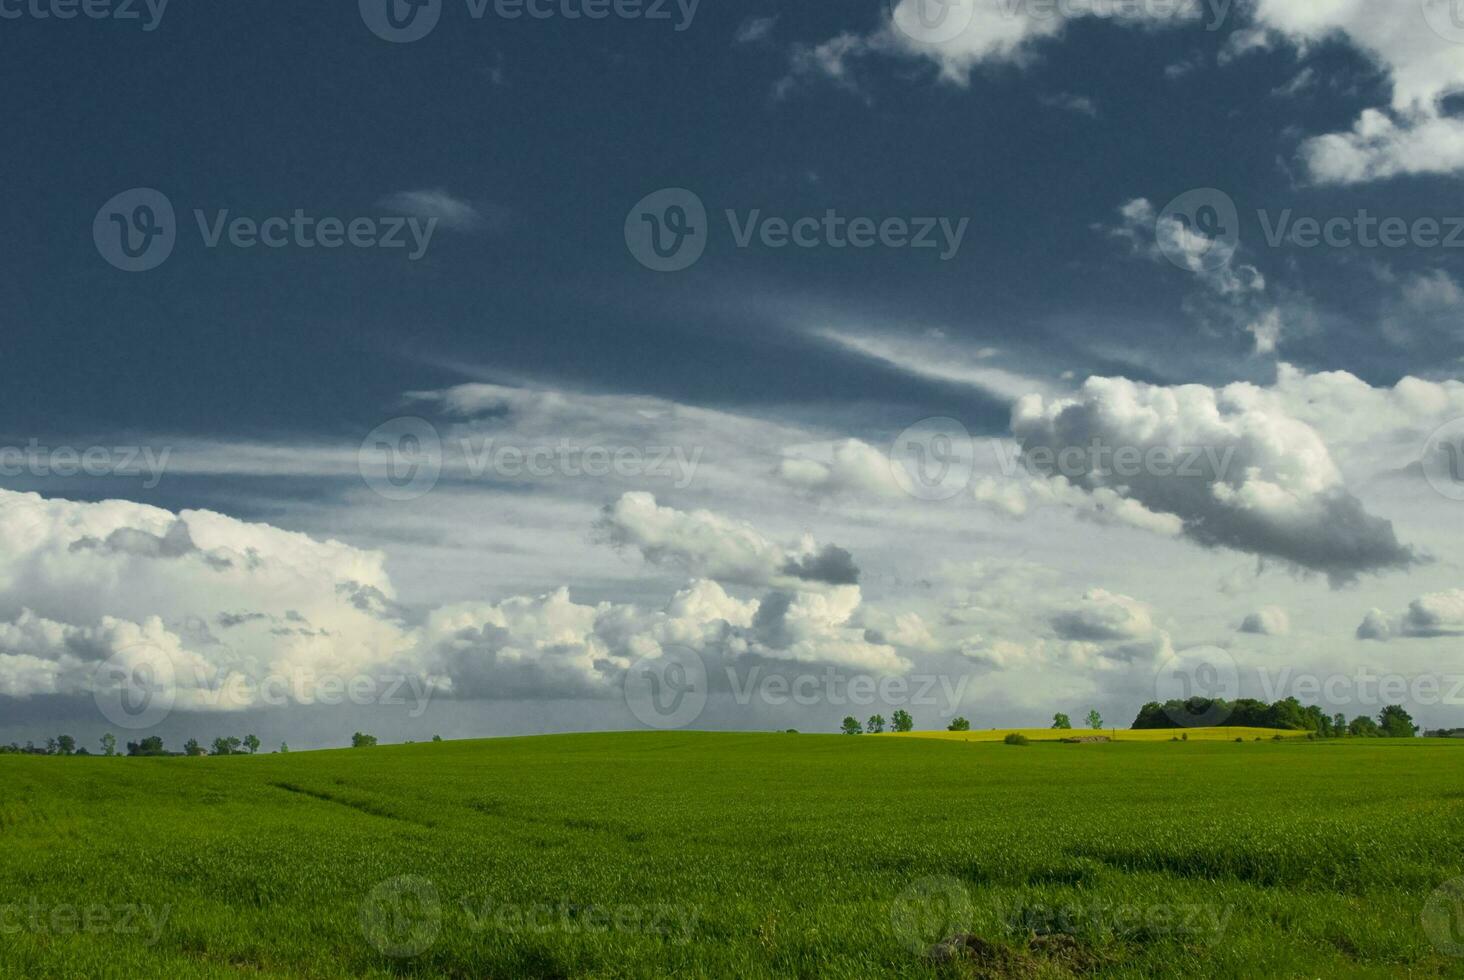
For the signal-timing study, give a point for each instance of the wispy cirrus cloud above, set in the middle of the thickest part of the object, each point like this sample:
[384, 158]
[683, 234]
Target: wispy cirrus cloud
[450, 212]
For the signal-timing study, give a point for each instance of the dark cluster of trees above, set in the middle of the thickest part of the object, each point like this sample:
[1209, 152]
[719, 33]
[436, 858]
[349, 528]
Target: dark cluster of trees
[1287, 715]
[60, 745]
[900, 721]
[250, 744]
[1062, 722]
[152, 745]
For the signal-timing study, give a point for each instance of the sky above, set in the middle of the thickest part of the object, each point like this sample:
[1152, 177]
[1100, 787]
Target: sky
[492, 367]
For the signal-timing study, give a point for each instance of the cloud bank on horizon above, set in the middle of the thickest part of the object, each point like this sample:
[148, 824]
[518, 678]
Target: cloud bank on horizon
[1110, 428]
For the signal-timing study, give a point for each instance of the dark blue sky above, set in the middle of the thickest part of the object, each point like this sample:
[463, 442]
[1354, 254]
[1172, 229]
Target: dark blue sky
[555, 128]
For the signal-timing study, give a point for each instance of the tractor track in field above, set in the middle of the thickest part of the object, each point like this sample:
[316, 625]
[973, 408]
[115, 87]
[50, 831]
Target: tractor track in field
[367, 808]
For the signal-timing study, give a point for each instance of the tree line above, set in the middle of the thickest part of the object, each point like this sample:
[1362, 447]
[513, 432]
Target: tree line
[902, 722]
[1285, 715]
[1288, 715]
[153, 745]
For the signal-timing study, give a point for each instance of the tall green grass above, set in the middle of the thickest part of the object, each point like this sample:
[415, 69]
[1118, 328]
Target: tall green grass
[683, 854]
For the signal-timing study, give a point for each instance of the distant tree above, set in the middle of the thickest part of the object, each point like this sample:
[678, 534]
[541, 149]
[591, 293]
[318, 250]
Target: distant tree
[1396, 723]
[251, 742]
[1339, 724]
[851, 726]
[284, 746]
[152, 745]
[192, 748]
[1364, 727]
[1095, 720]
[66, 745]
[436, 738]
[958, 725]
[109, 744]
[1061, 720]
[227, 745]
[902, 721]
[82, 751]
[362, 741]
[51, 747]
[875, 724]
[1016, 738]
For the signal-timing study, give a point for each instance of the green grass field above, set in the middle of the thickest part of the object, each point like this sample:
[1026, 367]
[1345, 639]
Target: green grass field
[730, 855]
